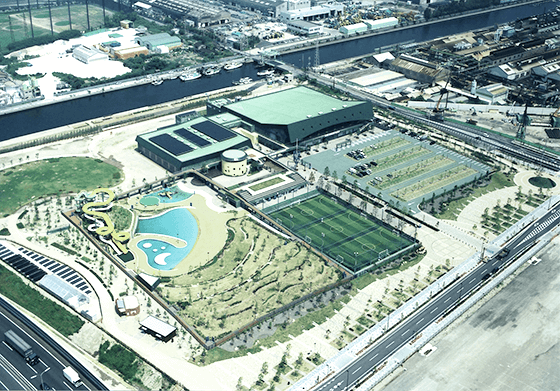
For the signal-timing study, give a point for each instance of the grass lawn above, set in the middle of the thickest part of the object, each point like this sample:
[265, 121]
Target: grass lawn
[26, 182]
[355, 241]
[12, 286]
[265, 184]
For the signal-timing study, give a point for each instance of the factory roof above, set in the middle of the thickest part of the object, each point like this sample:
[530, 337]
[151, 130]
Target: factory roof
[289, 106]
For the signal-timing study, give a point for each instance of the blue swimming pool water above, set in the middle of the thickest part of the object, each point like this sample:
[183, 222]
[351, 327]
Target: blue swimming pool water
[176, 223]
[168, 195]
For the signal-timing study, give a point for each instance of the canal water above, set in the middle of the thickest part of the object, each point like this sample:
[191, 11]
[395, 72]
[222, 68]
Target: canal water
[64, 113]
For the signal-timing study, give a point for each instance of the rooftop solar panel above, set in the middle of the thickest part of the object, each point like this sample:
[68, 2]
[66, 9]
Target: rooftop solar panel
[171, 144]
[193, 138]
[217, 132]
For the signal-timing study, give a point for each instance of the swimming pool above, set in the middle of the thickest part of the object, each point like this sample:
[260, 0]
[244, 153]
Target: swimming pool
[167, 195]
[175, 223]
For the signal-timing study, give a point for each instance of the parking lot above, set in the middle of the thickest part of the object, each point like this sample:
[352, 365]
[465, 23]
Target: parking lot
[402, 169]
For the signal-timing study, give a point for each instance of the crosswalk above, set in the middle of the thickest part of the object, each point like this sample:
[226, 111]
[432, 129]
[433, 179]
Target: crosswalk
[541, 226]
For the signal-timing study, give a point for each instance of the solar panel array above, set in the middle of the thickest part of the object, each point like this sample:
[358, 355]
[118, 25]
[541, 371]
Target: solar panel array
[171, 144]
[34, 266]
[217, 132]
[193, 138]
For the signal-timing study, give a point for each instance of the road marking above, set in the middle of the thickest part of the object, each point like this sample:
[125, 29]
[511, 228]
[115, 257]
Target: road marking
[434, 310]
[390, 345]
[473, 280]
[356, 370]
[495, 263]
[374, 357]
[446, 300]
[402, 335]
[420, 321]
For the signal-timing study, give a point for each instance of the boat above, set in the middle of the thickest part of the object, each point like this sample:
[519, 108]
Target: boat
[245, 80]
[190, 76]
[233, 65]
[157, 82]
[268, 72]
[211, 70]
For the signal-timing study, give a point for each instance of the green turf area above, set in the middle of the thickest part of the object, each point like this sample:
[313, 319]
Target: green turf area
[354, 240]
[26, 182]
[265, 184]
[15, 26]
[12, 286]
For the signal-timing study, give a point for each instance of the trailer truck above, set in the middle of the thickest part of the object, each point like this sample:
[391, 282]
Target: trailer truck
[22, 347]
[72, 376]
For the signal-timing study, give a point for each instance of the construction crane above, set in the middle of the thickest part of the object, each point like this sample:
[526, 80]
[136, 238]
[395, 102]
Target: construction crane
[437, 112]
[524, 121]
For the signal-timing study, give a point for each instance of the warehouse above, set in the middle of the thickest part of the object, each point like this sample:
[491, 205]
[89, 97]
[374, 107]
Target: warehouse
[296, 113]
[158, 328]
[194, 143]
[88, 55]
[155, 40]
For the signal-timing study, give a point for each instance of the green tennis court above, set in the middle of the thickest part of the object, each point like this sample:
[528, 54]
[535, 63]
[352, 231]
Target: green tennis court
[354, 240]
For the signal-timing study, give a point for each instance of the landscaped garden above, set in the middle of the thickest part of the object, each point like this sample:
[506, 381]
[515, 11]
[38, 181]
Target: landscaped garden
[256, 273]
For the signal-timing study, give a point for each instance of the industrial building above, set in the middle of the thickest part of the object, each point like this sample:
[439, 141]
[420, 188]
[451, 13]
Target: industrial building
[87, 54]
[271, 8]
[304, 28]
[201, 13]
[368, 25]
[194, 143]
[313, 13]
[162, 39]
[419, 69]
[123, 54]
[295, 114]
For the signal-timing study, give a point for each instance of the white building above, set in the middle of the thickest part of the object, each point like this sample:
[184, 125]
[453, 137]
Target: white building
[313, 13]
[87, 54]
[304, 28]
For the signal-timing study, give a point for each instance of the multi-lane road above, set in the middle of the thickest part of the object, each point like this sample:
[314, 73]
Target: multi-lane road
[440, 305]
[16, 374]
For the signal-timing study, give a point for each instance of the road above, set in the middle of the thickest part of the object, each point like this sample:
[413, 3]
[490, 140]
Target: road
[439, 306]
[16, 374]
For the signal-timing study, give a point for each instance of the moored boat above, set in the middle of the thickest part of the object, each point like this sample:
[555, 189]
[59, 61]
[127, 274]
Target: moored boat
[233, 65]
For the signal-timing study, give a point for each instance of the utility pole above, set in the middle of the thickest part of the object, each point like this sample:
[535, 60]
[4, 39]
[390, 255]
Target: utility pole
[30, 19]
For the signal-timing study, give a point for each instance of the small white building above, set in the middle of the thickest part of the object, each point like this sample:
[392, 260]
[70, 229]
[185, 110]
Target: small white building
[87, 54]
[304, 28]
[313, 13]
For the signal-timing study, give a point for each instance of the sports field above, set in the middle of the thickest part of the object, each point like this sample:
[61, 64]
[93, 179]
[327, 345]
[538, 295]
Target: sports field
[16, 26]
[352, 239]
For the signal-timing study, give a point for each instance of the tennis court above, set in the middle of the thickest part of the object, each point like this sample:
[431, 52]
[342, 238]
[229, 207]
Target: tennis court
[352, 239]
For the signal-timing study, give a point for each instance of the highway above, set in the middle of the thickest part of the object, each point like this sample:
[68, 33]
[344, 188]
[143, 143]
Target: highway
[16, 374]
[447, 300]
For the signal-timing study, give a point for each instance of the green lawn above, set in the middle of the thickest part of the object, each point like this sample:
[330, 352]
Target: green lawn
[265, 184]
[352, 239]
[29, 181]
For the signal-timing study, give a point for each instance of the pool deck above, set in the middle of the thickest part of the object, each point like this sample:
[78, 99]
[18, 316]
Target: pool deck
[212, 233]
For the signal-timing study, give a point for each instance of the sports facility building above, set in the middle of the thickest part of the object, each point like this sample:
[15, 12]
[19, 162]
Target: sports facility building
[194, 143]
[296, 113]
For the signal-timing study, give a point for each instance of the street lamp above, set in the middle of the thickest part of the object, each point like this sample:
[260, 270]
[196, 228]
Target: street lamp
[41, 375]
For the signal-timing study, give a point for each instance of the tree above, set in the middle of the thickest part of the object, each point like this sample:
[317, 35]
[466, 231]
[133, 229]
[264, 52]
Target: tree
[264, 368]
[327, 172]
[239, 384]
[311, 177]
[335, 175]
[344, 179]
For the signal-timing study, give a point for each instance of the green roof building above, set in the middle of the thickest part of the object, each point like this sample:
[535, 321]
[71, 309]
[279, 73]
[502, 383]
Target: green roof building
[194, 143]
[296, 113]
[161, 39]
